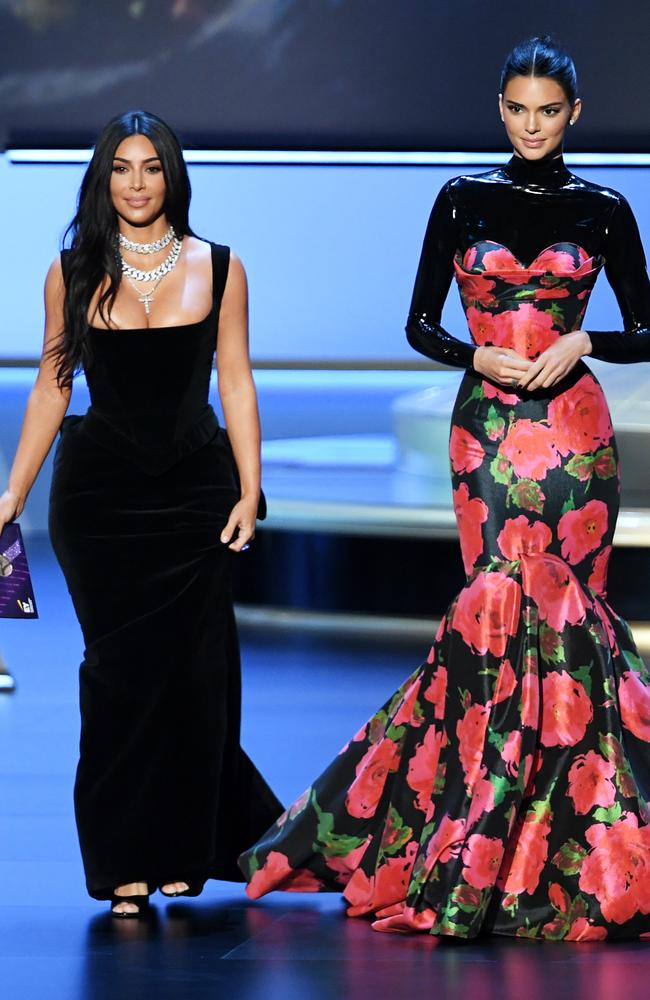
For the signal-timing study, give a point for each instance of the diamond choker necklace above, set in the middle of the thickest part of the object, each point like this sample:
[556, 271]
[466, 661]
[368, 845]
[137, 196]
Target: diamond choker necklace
[169, 263]
[154, 247]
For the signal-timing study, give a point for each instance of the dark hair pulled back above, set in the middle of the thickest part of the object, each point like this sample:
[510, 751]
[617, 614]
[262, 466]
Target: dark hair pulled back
[542, 56]
[93, 231]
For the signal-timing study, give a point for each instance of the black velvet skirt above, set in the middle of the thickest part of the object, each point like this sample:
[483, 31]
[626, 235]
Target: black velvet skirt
[163, 790]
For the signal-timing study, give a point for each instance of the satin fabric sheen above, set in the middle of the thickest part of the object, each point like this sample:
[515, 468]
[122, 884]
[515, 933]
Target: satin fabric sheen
[528, 206]
[143, 485]
[503, 788]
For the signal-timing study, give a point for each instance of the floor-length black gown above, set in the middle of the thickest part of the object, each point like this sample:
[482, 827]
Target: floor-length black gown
[504, 787]
[143, 485]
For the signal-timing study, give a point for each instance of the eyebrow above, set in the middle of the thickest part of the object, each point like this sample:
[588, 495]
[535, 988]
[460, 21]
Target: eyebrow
[553, 104]
[149, 159]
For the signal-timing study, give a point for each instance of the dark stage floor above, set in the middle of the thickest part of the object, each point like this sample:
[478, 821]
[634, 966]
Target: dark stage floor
[303, 698]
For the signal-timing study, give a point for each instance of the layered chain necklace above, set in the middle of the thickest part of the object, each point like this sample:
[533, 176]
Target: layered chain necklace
[133, 274]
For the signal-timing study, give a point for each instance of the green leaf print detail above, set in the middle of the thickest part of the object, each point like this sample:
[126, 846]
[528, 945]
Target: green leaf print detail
[495, 425]
[569, 504]
[627, 785]
[497, 740]
[579, 907]
[476, 394]
[377, 727]
[605, 463]
[252, 865]
[466, 898]
[525, 292]
[551, 645]
[501, 786]
[396, 833]
[557, 313]
[530, 617]
[441, 774]
[501, 470]
[527, 931]
[567, 911]
[448, 926]
[583, 675]
[596, 634]
[610, 815]
[328, 843]
[465, 697]
[611, 748]
[526, 494]
[531, 662]
[557, 928]
[395, 733]
[399, 695]
[636, 664]
[569, 858]
[541, 808]
[427, 831]
[418, 714]
[581, 467]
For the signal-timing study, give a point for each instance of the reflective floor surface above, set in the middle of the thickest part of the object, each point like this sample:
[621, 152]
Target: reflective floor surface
[303, 697]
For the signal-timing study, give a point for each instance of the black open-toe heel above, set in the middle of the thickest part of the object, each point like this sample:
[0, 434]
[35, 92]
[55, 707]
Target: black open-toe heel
[142, 903]
[193, 889]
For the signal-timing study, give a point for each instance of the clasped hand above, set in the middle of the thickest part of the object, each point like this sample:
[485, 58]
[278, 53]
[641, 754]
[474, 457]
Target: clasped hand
[508, 368]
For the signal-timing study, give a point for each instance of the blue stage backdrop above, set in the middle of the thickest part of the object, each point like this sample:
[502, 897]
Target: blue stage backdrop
[331, 252]
[306, 74]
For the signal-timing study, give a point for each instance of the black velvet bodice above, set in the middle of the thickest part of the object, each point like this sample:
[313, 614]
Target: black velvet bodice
[149, 386]
[529, 206]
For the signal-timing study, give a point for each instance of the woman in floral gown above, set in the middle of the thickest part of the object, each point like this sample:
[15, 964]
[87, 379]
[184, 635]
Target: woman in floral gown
[503, 788]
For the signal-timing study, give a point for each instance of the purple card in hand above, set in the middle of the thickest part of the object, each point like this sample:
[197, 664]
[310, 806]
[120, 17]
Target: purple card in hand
[16, 593]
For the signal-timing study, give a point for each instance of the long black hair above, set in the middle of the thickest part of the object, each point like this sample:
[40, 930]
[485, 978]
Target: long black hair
[542, 56]
[93, 232]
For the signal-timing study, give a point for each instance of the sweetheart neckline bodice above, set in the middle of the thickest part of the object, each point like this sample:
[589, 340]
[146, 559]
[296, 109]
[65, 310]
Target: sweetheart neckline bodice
[517, 265]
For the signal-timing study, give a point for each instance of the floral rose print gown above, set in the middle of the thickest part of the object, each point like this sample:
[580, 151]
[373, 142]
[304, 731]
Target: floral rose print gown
[503, 788]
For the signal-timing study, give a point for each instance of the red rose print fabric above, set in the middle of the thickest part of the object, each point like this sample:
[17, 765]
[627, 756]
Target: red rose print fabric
[501, 788]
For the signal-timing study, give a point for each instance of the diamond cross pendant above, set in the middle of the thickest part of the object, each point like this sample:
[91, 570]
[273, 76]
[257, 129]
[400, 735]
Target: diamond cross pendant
[145, 298]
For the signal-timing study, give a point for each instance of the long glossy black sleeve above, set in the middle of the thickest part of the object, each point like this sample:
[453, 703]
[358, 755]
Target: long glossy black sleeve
[626, 271]
[434, 275]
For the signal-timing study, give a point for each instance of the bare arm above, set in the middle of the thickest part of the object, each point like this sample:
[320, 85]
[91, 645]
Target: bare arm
[239, 402]
[45, 410]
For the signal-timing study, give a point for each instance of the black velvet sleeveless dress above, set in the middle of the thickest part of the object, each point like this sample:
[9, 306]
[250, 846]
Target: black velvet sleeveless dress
[143, 485]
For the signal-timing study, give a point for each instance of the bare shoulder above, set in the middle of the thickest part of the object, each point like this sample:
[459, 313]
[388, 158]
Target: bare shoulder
[236, 273]
[55, 271]
[54, 284]
[197, 251]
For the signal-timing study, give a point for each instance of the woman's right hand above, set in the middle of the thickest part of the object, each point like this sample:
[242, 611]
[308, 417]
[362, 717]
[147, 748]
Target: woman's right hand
[10, 507]
[500, 364]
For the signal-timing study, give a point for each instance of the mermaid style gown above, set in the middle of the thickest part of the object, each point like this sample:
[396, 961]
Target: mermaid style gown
[143, 486]
[504, 787]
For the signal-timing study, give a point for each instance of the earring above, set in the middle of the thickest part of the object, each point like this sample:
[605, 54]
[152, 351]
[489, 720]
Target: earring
[571, 122]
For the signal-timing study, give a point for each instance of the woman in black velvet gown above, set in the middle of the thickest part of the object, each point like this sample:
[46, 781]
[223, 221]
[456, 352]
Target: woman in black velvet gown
[504, 787]
[146, 512]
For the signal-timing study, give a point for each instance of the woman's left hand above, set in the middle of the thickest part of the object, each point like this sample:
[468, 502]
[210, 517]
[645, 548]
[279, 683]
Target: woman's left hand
[557, 361]
[242, 516]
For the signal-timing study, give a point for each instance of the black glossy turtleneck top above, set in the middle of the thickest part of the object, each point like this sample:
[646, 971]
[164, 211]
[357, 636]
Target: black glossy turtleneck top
[528, 206]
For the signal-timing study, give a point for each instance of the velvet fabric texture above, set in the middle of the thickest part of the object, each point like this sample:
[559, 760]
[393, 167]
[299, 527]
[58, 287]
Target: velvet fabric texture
[143, 485]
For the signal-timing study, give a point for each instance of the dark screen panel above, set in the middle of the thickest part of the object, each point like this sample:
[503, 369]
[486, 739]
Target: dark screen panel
[320, 74]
